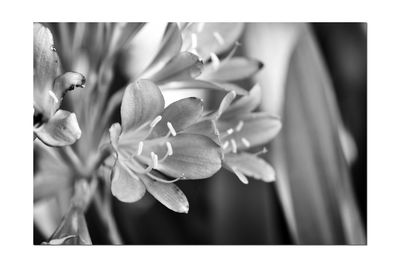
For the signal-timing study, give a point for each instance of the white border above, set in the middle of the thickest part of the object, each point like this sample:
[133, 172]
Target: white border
[383, 104]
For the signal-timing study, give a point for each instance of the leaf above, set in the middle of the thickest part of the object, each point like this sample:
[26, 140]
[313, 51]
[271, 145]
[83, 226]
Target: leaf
[313, 176]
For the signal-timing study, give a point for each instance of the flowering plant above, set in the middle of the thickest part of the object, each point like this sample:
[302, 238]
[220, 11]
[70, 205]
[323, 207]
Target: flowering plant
[121, 137]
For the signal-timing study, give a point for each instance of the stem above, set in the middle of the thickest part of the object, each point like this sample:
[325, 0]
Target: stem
[105, 212]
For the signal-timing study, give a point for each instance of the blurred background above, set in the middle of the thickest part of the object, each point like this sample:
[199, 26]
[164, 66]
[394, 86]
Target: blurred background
[314, 79]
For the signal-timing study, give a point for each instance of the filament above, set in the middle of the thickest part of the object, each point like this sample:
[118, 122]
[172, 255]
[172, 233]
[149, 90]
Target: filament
[219, 38]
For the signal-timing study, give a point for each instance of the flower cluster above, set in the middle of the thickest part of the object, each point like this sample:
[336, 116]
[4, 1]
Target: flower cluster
[152, 146]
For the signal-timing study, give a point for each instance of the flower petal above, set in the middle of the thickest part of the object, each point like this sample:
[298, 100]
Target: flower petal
[201, 85]
[180, 114]
[226, 101]
[250, 165]
[258, 128]
[212, 37]
[115, 132]
[67, 82]
[207, 128]
[125, 185]
[184, 66]
[45, 67]
[236, 68]
[194, 157]
[168, 194]
[142, 102]
[170, 46]
[245, 104]
[61, 130]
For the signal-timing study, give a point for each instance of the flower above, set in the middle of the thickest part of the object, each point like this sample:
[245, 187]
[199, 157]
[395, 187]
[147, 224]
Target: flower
[240, 128]
[150, 143]
[53, 126]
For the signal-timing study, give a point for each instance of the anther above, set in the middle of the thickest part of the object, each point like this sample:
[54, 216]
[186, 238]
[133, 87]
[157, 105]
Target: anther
[53, 95]
[155, 121]
[234, 145]
[230, 131]
[154, 158]
[169, 147]
[245, 142]
[140, 148]
[219, 38]
[239, 126]
[171, 129]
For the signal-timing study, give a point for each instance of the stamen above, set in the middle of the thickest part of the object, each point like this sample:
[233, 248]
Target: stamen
[162, 180]
[169, 147]
[154, 158]
[53, 95]
[239, 126]
[215, 60]
[225, 145]
[171, 129]
[140, 148]
[230, 131]
[245, 142]
[234, 145]
[155, 121]
[219, 38]
[194, 40]
[263, 151]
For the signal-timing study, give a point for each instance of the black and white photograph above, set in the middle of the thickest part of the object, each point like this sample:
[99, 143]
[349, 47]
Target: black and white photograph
[200, 133]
